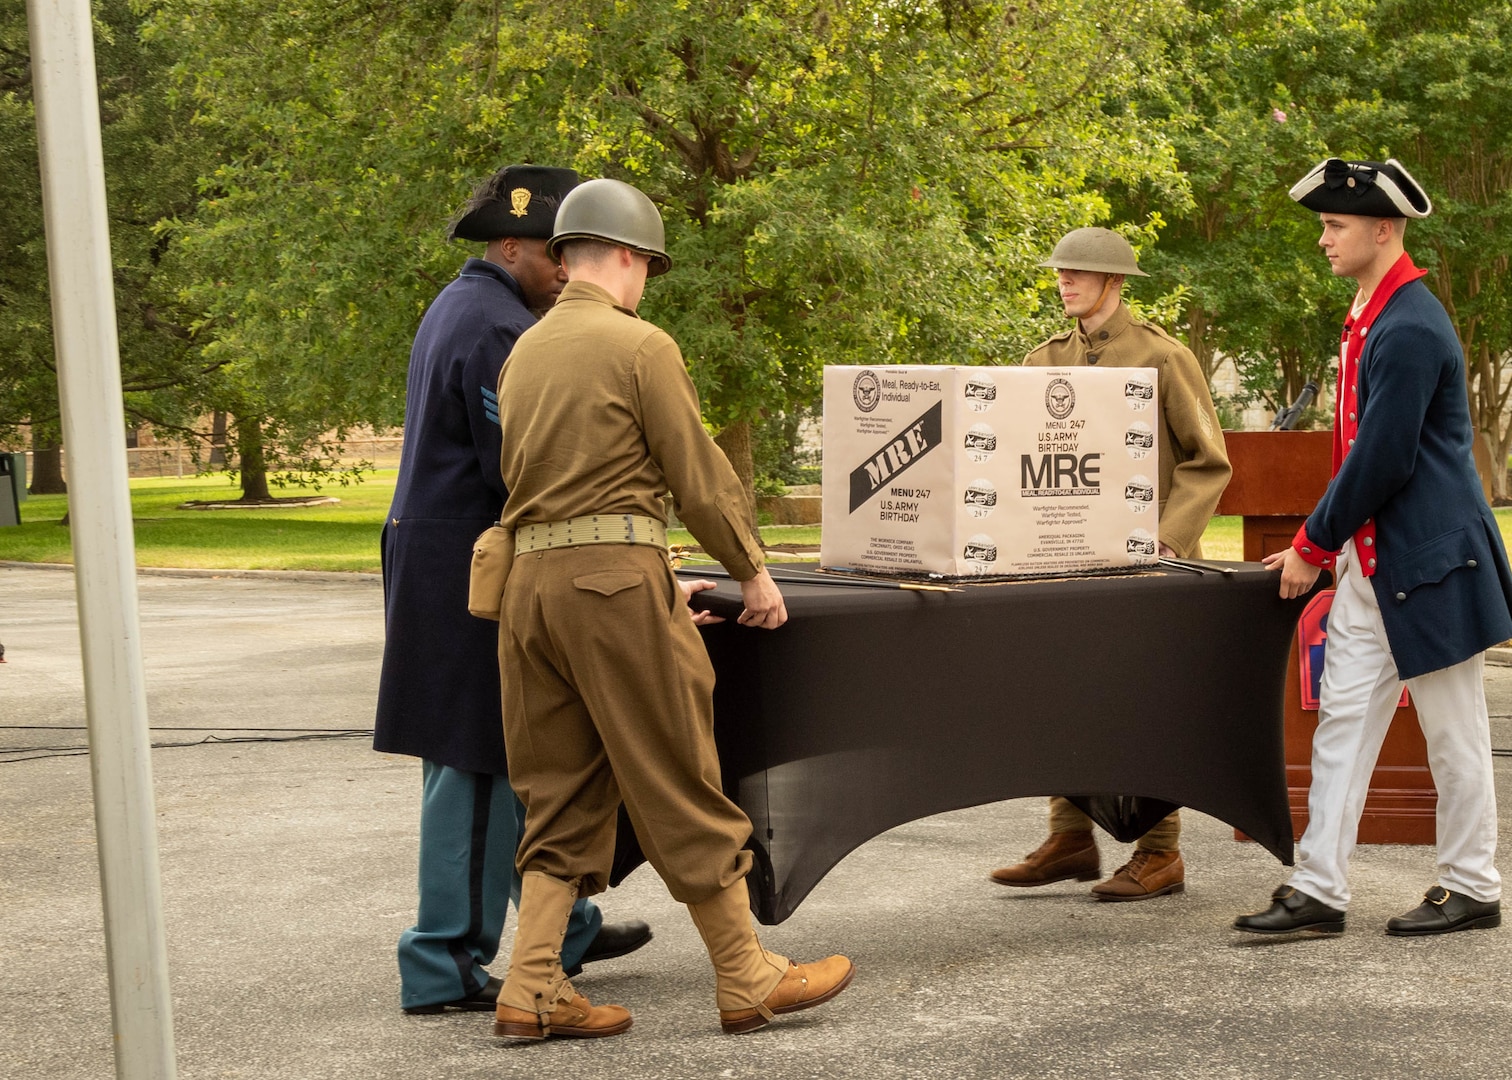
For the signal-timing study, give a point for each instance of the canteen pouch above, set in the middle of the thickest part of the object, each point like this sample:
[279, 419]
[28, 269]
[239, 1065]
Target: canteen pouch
[493, 554]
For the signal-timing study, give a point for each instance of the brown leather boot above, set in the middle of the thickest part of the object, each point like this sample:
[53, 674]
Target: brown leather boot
[537, 1001]
[575, 1019]
[1065, 855]
[802, 987]
[1147, 874]
[753, 985]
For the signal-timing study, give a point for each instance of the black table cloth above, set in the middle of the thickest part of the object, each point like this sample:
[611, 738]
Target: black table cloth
[875, 707]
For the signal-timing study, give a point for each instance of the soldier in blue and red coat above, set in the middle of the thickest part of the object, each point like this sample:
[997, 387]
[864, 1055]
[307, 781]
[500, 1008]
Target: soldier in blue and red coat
[1423, 587]
[439, 695]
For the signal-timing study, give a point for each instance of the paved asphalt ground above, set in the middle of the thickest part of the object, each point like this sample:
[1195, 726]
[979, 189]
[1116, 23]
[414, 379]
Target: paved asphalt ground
[288, 874]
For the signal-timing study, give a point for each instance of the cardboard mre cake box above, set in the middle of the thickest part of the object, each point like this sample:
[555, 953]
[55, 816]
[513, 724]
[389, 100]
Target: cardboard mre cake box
[968, 471]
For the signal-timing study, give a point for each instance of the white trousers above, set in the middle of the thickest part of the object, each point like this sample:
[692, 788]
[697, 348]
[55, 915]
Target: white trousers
[1357, 700]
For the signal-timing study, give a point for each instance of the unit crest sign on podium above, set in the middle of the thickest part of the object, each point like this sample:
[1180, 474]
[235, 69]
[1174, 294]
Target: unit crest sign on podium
[972, 471]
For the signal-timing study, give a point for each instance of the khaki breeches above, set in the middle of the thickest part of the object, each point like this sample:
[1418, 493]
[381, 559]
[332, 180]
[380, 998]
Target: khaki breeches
[1164, 835]
[608, 696]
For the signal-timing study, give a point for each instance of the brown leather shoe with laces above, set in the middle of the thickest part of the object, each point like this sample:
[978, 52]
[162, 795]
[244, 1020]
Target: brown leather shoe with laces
[1063, 856]
[1147, 874]
[574, 1018]
[802, 987]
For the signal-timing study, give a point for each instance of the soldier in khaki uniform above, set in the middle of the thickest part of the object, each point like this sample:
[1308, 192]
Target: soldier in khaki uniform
[607, 687]
[1091, 265]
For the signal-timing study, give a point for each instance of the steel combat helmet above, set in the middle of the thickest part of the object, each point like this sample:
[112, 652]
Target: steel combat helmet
[1102, 251]
[615, 212]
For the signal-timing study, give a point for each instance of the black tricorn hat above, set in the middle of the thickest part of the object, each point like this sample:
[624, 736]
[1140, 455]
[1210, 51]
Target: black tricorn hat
[518, 200]
[1381, 189]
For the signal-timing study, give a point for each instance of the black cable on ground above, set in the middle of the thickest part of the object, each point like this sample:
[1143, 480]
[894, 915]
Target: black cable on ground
[34, 753]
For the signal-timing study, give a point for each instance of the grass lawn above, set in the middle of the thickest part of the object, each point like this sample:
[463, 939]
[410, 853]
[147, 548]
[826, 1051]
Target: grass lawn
[341, 536]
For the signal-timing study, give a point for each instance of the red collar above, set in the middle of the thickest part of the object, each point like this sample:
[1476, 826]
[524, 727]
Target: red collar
[1402, 272]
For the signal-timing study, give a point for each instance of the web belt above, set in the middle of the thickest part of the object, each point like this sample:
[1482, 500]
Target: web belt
[592, 529]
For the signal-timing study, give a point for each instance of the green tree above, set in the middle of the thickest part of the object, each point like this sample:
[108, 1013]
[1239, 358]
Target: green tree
[842, 182]
[317, 241]
[1438, 97]
[151, 168]
[1252, 111]
[1269, 88]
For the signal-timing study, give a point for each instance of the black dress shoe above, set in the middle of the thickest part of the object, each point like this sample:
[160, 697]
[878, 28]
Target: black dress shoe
[1292, 911]
[1443, 912]
[483, 1001]
[614, 939]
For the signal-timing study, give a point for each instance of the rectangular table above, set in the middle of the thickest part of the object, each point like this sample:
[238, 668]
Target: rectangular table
[875, 707]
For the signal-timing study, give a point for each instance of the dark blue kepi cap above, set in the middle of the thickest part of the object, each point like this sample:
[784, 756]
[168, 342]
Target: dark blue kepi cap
[1381, 189]
[518, 200]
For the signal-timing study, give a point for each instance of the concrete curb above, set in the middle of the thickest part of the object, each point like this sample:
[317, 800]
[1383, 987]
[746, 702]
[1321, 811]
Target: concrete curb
[1497, 657]
[189, 572]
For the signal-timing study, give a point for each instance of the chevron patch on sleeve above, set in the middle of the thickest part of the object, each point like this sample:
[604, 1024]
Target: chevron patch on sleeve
[490, 404]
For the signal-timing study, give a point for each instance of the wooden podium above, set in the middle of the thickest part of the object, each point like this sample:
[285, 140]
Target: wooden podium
[1278, 478]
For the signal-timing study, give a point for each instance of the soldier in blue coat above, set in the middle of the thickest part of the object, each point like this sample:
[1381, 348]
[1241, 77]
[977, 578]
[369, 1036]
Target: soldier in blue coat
[1423, 584]
[438, 696]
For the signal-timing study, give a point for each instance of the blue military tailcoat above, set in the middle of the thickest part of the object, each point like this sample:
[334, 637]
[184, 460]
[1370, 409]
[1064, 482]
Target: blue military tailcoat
[438, 695]
[1441, 576]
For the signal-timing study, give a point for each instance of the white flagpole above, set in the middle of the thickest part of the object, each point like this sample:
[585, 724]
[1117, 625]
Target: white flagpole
[99, 505]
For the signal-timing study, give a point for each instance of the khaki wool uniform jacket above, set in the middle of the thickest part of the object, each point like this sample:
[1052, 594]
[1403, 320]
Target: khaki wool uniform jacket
[1194, 465]
[607, 687]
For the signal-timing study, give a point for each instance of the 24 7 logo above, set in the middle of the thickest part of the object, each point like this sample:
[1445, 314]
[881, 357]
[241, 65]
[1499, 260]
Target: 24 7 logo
[980, 442]
[980, 392]
[980, 552]
[980, 498]
[1140, 547]
[1139, 392]
[1139, 440]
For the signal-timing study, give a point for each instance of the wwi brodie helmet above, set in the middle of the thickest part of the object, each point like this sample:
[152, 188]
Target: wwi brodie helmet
[1101, 251]
[614, 212]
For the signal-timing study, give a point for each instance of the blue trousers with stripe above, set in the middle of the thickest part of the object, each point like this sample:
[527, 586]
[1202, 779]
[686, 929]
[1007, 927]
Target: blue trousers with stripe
[470, 825]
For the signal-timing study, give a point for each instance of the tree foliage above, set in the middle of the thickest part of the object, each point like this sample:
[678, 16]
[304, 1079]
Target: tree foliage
[1443, 90]
[843, 181]
[152, 162]
[1274, 86]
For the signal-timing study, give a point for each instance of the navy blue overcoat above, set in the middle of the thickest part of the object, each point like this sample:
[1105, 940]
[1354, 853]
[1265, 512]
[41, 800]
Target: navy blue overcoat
[1441, 577]
[438, 696]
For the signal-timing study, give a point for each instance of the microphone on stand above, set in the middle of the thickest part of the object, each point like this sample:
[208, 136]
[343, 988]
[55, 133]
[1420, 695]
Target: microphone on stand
[1286, 419]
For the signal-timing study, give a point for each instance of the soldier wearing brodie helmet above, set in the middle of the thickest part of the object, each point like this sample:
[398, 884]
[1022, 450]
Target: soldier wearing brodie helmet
[608, 689]
[438, 695]
[1091, 266]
